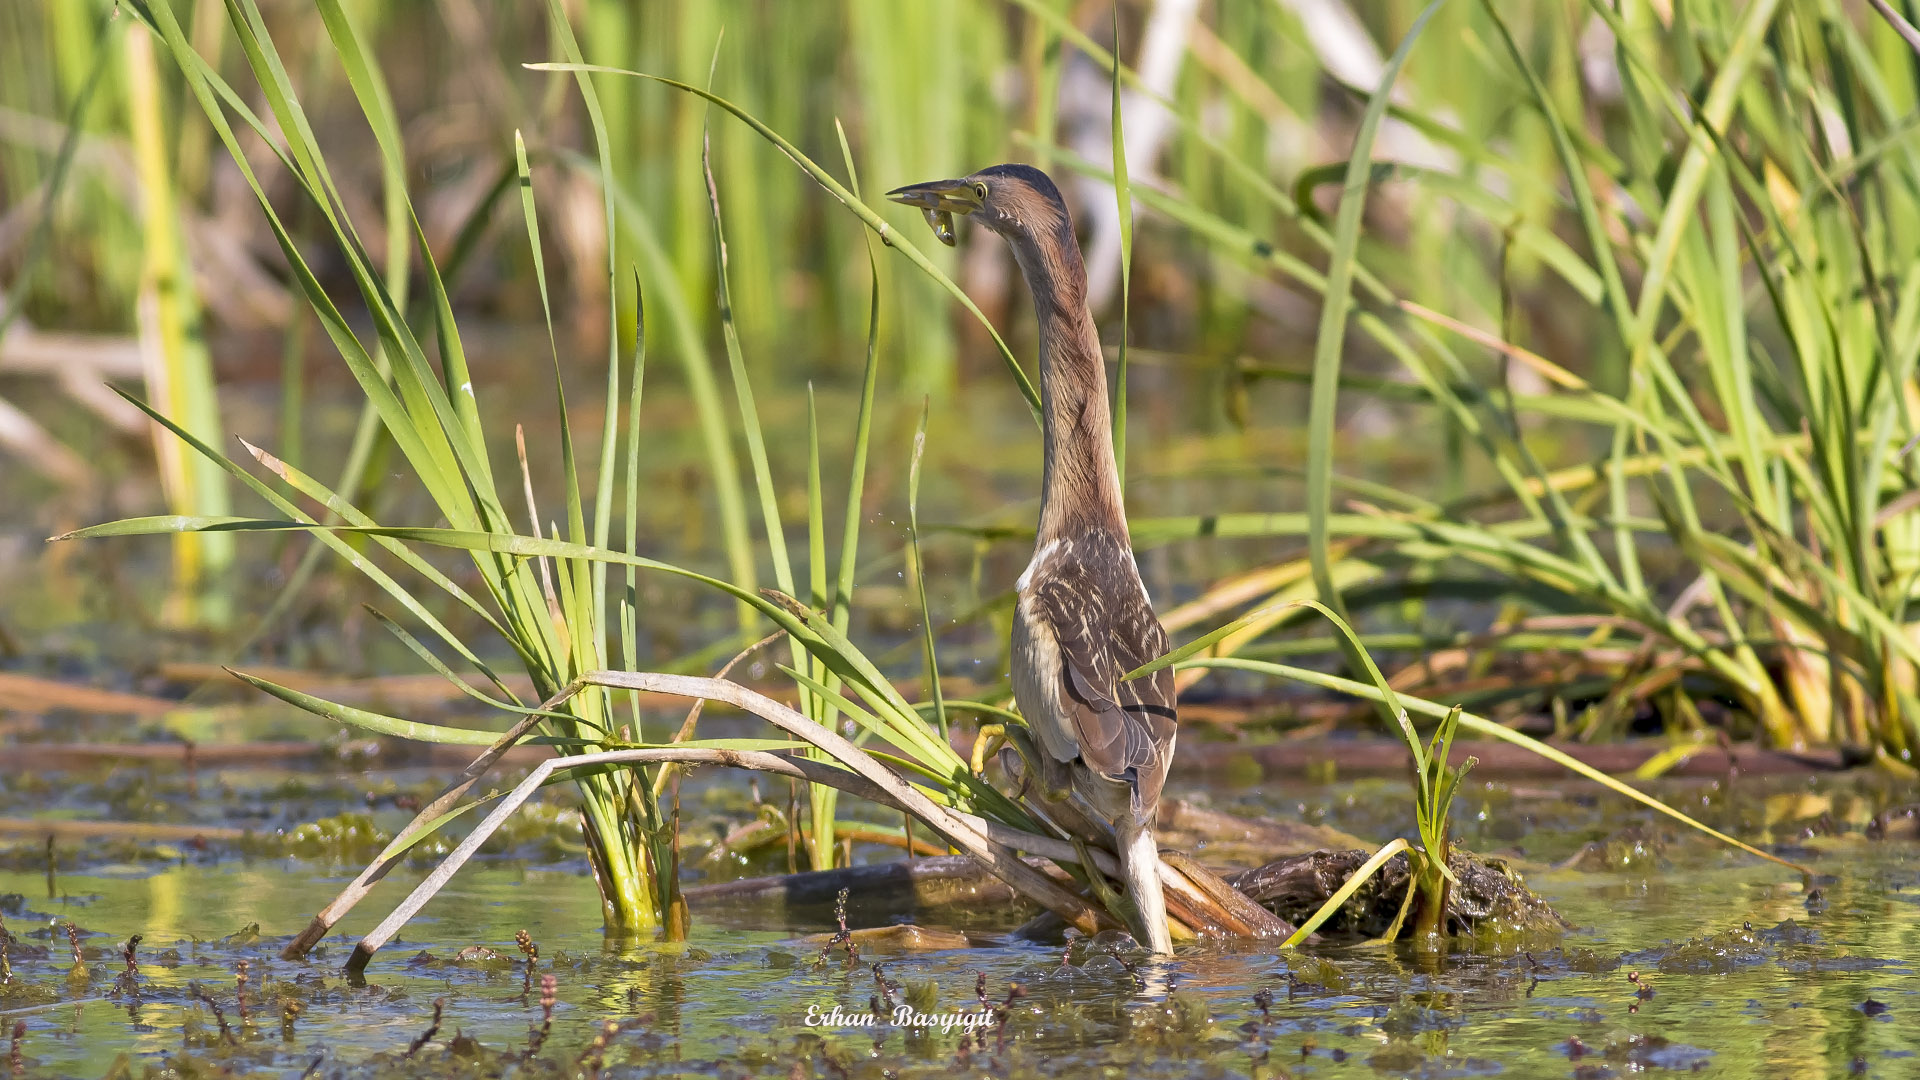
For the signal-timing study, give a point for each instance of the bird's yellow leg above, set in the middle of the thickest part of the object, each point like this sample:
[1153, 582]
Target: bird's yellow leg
[1122, 907]
[983, 746]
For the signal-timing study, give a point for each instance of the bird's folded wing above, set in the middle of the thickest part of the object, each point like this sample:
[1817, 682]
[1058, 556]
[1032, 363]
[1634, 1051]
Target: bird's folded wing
[1105, 629]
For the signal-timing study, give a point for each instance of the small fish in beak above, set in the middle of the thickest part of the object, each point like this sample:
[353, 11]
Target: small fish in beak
[942, 223]
[939, 201]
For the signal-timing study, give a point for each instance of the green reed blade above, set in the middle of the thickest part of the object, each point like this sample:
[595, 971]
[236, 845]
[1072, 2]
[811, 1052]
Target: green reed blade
[1330, 341]
[347, 512]
[1489, 728]
[174, 523]
[1396, 713]
[743, 395]
[630, 604]
[863, 423]
[918, 567]
[1338, 900]
[868, 721]
[367, 720]
[848, 199]
[697, 368]
[841, 602]
[419, 649]
[583, 646]
[1728, 83]
[816, 512]
[823, 800]
[377, 107]
[376, 104]
[429, 456]
[610, 428]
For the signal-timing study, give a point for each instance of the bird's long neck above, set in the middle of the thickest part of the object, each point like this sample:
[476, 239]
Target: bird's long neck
[1080, 485]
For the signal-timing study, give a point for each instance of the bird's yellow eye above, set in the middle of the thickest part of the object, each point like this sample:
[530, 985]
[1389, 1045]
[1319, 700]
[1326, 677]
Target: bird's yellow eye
[980, 189]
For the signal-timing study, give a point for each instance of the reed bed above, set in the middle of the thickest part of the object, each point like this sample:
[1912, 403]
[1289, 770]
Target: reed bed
[548, 570]
[1641, 271]
[1731, 216]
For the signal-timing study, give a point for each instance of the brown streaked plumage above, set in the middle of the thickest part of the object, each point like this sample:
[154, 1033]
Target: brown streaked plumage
[1083, 619]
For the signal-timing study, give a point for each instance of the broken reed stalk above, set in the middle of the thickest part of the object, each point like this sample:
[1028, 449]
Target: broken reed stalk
[433, 1028]
[1181, 875]
[989, 842]
[324, 921]
[219, 1015]
[962, 831]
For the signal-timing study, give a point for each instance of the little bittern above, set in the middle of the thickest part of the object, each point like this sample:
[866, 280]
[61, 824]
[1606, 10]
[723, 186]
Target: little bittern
[1083, 619]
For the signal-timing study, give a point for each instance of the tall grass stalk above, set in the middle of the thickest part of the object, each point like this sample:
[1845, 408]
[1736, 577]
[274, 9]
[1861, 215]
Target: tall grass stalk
[179, 370]
[823, 801]
[917, 569]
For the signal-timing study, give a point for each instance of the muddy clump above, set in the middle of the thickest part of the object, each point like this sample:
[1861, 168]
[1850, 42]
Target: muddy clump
[1491, 899]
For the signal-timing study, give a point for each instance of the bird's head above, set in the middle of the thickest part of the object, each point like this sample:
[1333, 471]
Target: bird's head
[1016, 201]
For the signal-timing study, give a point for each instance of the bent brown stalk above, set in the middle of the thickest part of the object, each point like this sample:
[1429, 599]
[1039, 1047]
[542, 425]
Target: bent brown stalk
[963, 832]
[325, 920]
[999, 839]
[989, 842]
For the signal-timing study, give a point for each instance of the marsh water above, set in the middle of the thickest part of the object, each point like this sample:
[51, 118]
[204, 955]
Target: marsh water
[1683, 957]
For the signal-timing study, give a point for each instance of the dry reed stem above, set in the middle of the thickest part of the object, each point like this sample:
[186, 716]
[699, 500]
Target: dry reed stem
[988, 842]
[362, 885]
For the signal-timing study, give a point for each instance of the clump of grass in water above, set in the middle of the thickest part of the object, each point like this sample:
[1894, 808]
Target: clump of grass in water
[1435, 782]
[555, 620]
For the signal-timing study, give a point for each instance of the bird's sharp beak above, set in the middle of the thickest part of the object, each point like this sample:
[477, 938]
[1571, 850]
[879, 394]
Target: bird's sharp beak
[939, 201]
[945, 196]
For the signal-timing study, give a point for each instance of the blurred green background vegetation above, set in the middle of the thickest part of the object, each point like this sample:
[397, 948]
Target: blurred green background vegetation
[1614, 439]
